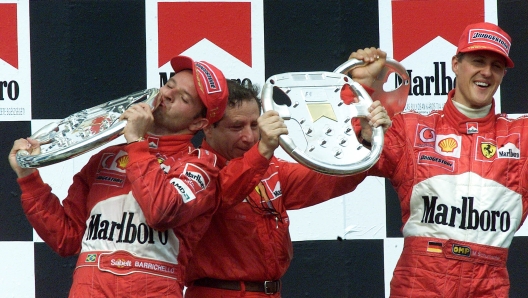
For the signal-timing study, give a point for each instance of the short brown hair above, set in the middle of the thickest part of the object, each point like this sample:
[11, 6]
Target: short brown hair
[241, 91]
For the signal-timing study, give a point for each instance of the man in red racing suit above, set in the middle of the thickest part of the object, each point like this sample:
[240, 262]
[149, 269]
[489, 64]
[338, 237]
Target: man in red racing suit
[460, 174]
[247, 248]
[135, 211]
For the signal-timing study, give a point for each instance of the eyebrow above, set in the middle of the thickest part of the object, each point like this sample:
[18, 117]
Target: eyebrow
[171, 79]
[183, 90]
[236, 123]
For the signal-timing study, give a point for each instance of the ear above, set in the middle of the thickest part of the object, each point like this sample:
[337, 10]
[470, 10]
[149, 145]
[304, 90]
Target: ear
[454, 64]
[208, 130]
[198, 124]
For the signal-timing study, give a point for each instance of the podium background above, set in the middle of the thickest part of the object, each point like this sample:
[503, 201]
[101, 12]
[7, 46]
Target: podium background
[84, 53]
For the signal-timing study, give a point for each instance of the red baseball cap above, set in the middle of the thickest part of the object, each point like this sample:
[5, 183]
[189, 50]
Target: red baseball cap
[487, 37]
[209, 82]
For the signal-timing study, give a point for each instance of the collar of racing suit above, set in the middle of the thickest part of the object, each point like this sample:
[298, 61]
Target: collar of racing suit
[221, 161]
[472, 113]
[461, 121]
[168, 143]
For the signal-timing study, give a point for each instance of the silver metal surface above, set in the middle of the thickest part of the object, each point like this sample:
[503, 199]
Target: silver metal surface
[318, 116]
[394, 100]
[83, 131]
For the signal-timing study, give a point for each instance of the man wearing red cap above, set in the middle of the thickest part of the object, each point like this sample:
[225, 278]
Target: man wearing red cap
[136, 210]
[247, 248]
[460, 174]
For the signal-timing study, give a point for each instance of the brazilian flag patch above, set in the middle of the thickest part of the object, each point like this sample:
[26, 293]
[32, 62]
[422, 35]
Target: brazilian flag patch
[91, 258]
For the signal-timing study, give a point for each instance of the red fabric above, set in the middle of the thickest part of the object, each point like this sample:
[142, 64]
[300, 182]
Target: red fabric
[485, 37]
[461, 179]
[126, 199]
[91, 282]
[435, 276]
[245, 244]
[202, 292]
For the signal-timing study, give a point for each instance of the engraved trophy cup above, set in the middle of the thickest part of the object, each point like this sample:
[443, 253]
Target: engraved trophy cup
[82, 131]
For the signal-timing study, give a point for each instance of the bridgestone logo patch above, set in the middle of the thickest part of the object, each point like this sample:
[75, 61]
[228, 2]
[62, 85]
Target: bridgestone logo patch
[492, 38]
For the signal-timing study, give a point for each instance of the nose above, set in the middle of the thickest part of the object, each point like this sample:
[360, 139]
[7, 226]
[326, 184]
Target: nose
[165, 94]
[486, 70]
[247, 135]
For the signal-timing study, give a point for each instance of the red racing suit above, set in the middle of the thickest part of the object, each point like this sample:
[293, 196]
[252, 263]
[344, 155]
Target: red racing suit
[462, 186]
[134, 212]
[246, 241]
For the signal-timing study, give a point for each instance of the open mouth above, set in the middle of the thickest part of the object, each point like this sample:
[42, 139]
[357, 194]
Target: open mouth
[482, 84]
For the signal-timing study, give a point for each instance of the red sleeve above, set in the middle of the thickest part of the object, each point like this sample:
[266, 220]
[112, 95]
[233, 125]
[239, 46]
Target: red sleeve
[60, 226]
[369, 90]
[239, 178]
[172, 199]
[303, 187]
[394, 154]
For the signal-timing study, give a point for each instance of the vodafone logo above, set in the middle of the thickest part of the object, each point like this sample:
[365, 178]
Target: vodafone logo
[426, 136]
[183, 24]
[8, 34]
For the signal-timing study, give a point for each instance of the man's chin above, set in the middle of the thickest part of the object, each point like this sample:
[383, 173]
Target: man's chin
[240, 152]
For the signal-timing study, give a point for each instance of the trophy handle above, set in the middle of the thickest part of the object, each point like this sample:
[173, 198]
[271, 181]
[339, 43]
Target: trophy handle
[83, 131]
[318, 115]
[393, 101]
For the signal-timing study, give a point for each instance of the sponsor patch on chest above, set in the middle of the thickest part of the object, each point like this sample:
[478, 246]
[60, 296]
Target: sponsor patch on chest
[273, 186]
[434, 159]
[448, 145]
[111, 169]
[465, 215]
[504, 147]
[425, 136]
[509, 146]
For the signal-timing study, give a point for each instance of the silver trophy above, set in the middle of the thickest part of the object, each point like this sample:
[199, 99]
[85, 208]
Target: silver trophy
[318, 115]
[82, 131]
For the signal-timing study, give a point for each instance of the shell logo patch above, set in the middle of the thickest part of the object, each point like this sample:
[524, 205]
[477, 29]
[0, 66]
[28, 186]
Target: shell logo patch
[448, 145]
[122, 162]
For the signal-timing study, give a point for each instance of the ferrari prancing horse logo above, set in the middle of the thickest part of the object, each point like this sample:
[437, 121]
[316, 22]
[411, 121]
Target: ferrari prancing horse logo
[488, 149]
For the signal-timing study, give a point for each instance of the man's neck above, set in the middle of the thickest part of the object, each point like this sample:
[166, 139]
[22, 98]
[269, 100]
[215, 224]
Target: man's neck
[472, 113]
